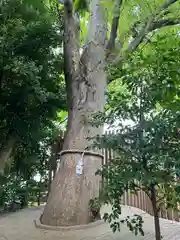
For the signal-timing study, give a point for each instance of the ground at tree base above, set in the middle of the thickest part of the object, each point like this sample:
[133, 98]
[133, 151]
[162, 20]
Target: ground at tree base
[20, 226]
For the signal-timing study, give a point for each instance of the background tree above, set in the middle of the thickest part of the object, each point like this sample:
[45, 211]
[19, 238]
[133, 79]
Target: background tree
[32, 93]
[132, 24]
[31, 88]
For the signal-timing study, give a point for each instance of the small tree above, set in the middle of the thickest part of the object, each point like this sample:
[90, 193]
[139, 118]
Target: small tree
[147, 151]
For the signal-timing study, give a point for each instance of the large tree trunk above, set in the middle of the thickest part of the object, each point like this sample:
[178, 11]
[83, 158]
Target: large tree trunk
[68, 202]
[5, 152]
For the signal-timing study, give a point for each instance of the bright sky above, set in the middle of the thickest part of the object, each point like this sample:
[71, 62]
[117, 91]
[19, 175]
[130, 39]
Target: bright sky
[115, 127]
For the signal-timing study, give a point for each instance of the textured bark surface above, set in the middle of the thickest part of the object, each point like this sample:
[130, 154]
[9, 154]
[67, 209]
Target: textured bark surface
[56, 147]
[86, 83]
[5, 152]
[71, 200]
[70, 194]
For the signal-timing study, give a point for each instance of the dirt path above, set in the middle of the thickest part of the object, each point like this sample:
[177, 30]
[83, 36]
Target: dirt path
[20, 226]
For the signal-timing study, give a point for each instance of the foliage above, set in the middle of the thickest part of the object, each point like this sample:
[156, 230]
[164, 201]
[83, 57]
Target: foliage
[31, 88]
[29, 69]
[143, 106]
[81, 5]
[32, 92]
[94, 204]
[133, 17]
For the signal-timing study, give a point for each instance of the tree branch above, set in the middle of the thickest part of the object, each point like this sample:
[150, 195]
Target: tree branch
[97, 24]
[96, 39]
[164, 23]
[149, 25]
[71, 47]
[71, 32]
[166, 5]
[68, 5]
[114, 26]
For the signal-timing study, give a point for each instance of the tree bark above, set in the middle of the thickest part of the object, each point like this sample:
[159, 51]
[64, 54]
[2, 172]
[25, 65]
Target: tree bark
[6, 152]
[68, 202]
[49, 180]
[56, 147]
[64, 206]
[156, 216]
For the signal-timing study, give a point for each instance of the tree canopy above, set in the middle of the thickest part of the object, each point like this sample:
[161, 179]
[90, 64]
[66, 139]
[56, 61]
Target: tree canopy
[32, 90]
